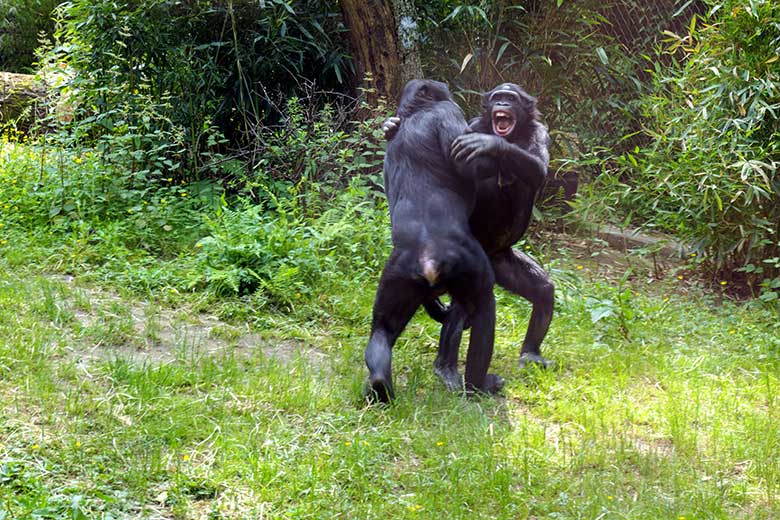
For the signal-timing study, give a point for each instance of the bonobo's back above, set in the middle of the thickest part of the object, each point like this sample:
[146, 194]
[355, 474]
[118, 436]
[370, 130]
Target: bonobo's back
[420, 177]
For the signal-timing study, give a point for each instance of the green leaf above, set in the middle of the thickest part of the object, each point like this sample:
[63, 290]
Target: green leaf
[501, 51]
[602, 54]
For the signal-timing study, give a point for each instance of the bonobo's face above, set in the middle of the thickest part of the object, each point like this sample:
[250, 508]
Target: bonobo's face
[509, 107]
[419, 92]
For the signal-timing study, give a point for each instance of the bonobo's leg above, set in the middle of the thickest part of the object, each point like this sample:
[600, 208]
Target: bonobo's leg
[518, 273]
[446, 364]
[396, 301]
[436, 309]
[474, 293]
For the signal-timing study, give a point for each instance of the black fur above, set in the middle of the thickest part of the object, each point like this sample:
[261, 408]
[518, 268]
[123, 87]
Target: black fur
[431, 197]
[504, 202]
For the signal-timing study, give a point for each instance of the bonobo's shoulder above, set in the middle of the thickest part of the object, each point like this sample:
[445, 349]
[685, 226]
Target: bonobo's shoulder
[539, 134]
[450, 107]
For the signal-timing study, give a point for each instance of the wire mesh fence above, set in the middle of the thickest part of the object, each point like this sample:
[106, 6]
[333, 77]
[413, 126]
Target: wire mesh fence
[638, 25]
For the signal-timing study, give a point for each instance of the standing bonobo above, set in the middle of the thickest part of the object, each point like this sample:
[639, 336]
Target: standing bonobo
[431, 197]
[509, 138]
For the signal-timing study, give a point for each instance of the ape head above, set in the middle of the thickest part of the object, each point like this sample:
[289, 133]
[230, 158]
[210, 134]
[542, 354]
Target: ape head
[420, 93]
[510, 110]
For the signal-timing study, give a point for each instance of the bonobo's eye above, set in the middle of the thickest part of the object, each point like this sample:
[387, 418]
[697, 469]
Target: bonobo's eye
[424, 91]
[505, 97]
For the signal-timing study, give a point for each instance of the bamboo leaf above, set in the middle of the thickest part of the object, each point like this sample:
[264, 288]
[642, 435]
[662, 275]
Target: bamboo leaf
[466, 61]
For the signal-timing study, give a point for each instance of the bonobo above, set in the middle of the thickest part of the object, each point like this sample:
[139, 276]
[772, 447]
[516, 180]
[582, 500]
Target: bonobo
[431, 196]
[509, 138]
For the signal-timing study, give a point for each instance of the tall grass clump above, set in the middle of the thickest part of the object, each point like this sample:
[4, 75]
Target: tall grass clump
[710, 172]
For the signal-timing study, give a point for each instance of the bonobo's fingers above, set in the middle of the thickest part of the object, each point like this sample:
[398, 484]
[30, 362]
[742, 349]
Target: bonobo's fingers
[461, 147]
[390, 127]
[436, 309]
[468, 146]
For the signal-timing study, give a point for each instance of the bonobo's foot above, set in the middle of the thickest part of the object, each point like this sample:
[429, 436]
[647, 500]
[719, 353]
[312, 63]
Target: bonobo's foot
[534, 358]
[493, 385]
[450, 376]
[379, 390]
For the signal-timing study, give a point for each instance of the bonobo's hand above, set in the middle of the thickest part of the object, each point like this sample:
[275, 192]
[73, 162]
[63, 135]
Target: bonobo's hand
[468, 146]
[390, 127]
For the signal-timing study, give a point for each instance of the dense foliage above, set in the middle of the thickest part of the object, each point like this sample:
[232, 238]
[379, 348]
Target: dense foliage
[710, 171]
[166, 81]
[22, 23]
[561, 52]
[230, 102]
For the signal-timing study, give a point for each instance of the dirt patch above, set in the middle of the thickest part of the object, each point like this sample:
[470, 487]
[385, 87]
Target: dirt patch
[600, 260]
[106, 325]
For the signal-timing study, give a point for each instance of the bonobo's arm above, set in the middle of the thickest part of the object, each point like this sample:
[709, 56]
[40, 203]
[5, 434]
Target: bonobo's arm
[512, 161]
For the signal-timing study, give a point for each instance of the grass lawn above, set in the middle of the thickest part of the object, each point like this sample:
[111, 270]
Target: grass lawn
[663, 404]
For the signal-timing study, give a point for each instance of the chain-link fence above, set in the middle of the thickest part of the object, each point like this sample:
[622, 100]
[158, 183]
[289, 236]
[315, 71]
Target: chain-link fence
[637, 28]
[638, 25]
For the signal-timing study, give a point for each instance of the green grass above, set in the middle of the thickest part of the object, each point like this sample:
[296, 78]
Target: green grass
[680, 419]
[127, 393]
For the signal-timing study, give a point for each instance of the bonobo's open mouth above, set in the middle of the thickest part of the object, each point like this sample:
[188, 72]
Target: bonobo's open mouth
[503, 122]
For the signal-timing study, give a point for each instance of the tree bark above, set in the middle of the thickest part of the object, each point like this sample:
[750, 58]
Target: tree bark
[374, 43]
[408, 39]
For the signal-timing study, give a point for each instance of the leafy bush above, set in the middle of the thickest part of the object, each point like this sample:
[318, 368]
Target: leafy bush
[22, 22]
[311, 210]
[165, 80]
[289, 257]
[311, 151]
[75, 191]
[711, 172]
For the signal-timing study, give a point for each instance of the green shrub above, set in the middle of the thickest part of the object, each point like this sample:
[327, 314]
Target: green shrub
[164, 81]
[289, 257]
[710, 174]
[22, 22]
[311, 211]
[76, 191]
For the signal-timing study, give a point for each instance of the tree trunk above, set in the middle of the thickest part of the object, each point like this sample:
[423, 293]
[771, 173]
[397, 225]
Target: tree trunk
[17, 92]
[374, 44]
[408, 39]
